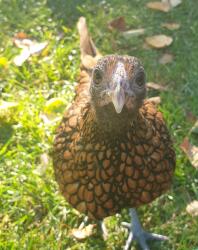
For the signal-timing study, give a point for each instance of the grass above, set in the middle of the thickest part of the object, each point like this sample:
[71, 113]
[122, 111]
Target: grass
[33, 215]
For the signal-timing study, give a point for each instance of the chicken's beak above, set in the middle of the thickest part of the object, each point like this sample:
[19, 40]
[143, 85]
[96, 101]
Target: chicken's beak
[118, 97]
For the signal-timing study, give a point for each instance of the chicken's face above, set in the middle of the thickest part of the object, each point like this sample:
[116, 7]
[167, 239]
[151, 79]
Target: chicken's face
[118, 80]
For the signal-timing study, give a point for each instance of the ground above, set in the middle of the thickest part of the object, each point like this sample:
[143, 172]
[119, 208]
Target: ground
[33, 215]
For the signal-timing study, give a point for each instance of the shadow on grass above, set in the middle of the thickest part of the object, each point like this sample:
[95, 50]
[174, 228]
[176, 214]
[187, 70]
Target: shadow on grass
[6, 132]
[67, 11]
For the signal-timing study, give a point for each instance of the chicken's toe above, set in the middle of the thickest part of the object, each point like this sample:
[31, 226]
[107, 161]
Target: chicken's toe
[137, 233]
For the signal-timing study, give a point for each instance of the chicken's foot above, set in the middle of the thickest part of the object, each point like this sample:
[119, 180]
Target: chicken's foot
[136, 232]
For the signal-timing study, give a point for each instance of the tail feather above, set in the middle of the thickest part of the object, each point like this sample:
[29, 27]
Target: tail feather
[87, 46]
[89, 58]
[89, 52]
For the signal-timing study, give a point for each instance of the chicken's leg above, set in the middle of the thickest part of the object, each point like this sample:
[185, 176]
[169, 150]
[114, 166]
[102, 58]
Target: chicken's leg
[136, 232]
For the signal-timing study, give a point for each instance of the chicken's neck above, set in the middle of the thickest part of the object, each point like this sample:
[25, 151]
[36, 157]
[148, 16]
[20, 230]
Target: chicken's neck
[106, 123]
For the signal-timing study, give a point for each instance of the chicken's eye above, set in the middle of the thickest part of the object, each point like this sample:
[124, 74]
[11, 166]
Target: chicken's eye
[140, 80]
[97, 76]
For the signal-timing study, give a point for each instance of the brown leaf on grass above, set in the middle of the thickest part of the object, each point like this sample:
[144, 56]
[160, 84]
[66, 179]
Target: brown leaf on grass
[165, 7]
[159, 41]
[166, 58]
[118, 24]
[155, 100]
[20, 35]
[192, 208]
[81, 234]
[156, 86]
[29, 47]
[191, 151]
[171, 26]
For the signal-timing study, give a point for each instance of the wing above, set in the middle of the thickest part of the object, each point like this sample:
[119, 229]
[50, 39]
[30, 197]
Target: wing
[68, 132]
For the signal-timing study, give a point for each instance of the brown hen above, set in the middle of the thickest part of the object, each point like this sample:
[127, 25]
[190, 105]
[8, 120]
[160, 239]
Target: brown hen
[112, 149]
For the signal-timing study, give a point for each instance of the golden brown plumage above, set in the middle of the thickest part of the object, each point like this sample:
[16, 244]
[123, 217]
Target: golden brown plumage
[99, 175]
[109, 157]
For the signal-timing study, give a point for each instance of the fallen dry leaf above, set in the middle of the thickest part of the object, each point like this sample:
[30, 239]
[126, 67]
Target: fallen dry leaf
[192, 208]
[165, 7]
[134, 32]
[28, 47]
[156, 86]
[191, 151]
[44, 162]
[5, 106]
[175, 3]
[44, 159]
[172, 3]
[81, 234]
[8, 110]
[22, 57]
[194, 129]
[45, 118]
[166, 58]
[22, 43]
[118, 24]
[5, 220]
[171, 26]
[155, 100]
[36, 48]
[159, 41]
[20, 35]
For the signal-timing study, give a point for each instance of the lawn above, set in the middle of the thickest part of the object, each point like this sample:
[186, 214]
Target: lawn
[33, 215]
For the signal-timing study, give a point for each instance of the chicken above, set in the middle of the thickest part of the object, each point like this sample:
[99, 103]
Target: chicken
[112, 149]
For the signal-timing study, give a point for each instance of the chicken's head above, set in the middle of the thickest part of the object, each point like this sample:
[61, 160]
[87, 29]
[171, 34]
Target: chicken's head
[118, 83]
